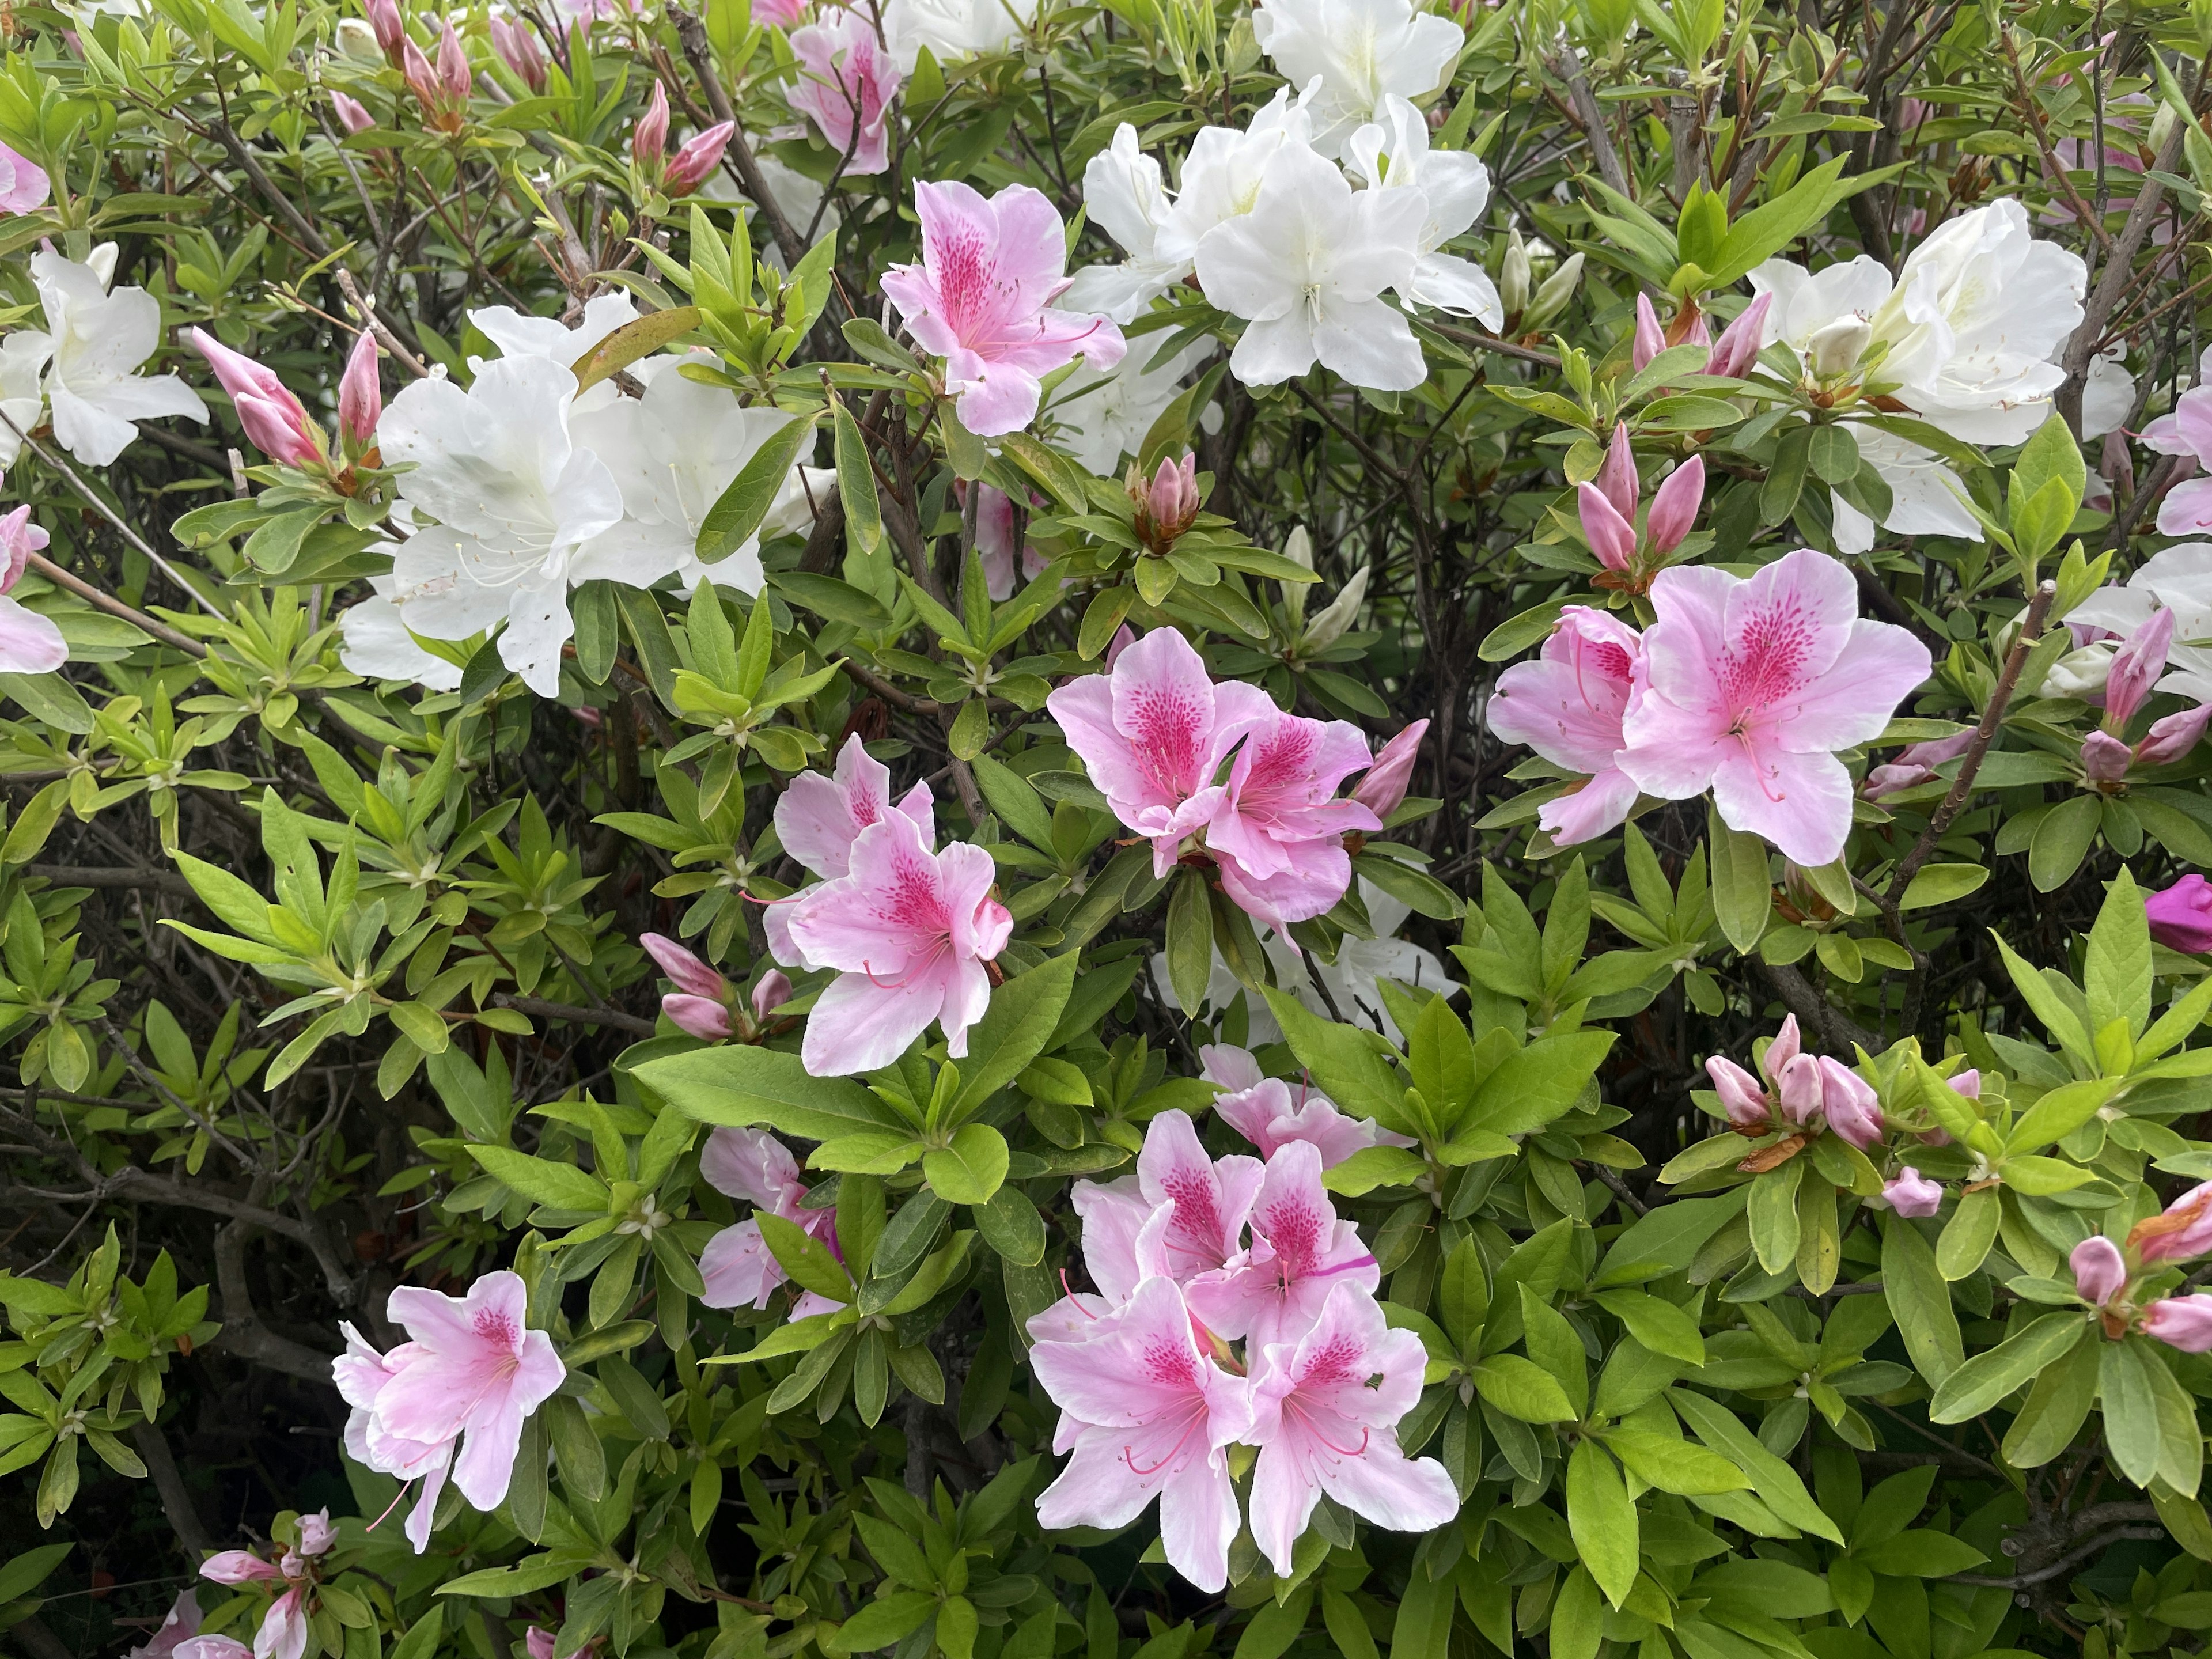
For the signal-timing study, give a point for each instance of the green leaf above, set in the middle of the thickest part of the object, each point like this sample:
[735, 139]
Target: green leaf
[632, 340]
[1659, 1326]
[1010, 1224]
[1774, 1481]
[1967, 1236]
[1533, 1086]
[741, 1086]
[880, 1623]
[805, 1257]
[1523, 1389]
[1920, 1300]
[1675, 1464]
[2128, 1395]
[2116, 969]
[1345, 1066]
[1023, 1016]
[24, 1573]
[971, 1169]
[1922, 1552]
[1942, 884]
[735, 515]
[1743, 897]
[1602, 1519]
[2055, 1410]
[536, 1572]
[1990, 1376]
[560, 1185]
[1190, 939]
[856, 480]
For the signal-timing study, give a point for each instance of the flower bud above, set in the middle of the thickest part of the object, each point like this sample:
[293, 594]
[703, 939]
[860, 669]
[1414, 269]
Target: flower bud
[273, 418]
[1742, 1098]
[2172, 737]
[1651, 339]
[2181, 915]
[2184, 1229]
[2104, 758]
[1325, 629]
[353, 115]
[1513, 275]
[1911, 1194]
[771, 994]
[540, 1643]
[696, 1017]
[648, 142]
[2080, 674]
[2117, 463]
[1836, 347]
[518, 48]
[1850, 1104]
[454, 70]
[1551, 298]
[236, 1567]
[1611, 537]
[697, 159]
[1168, 504]
[1381, 791]
[1785, 1047]
[361, 397]
[2135, 668]
[1798, 1089]
[357, 39]
[317, 1534]
[1966, 1084]
[1674, 508]
[1617, 476]
[391, 30]
[2099, 1275]
[2181, 1322]
[685, 968]
[1737, 349]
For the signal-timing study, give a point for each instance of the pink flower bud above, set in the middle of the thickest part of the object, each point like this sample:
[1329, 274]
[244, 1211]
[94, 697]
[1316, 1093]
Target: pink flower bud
[1674, 507]
[1785, 1047]
[2181, 1322]
[518, 48]
[19, 539]
[648, 142]
[1742, 1098]
[2181, 917]
[2100, 1273]
[422, 79]
[273, 418]
[317, 1534]
[696, 1017]
[211, 1647]
[1617, 476]
[361, 397]
[2184, 1229]
[2104, 758]
[771, 994]
[353, 115]
[24, 185]
[1611, 537]
[1911, 1194]
[2172, 736]
[454, 70]
[1798, 1089]
[1698, 333]
[1850, 1104]
[237, 1567]
[1383, 790]
[391, 30]
[1967, 1084]
[688, 972]
[2135, 669]
[540, 1643]
[1651, 339]
[1894, 779]
[781, 14]
[695, 162]
[1737, 349]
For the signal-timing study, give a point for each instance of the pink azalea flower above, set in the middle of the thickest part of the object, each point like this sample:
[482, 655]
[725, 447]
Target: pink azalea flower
[1156, 1413]
[2184, 1230]
[474, 1371]
[1279, 829]
[2181, 1322]
[1117, 1252]
[1568, 706]
[24, 185]
[275, 420]
[2099, 1272]
[1323, 1416]
[981, 299]
[283, 1632]
[317, 1534]
[361, 397]
[1300, 1253]
[1212, 1199]
[211, 1647]
[819, 817]
[237, 1567]
[2135, 668]
[179, 1626]
[783, 14]
[739, 1269]
[1751, 685]
[1915, 765]
[29, 643]
[1737, 349]
[847, 82]
[1911, 1194]
[1152, 734]
[909, 931]
[362, 1374]
[1271, 1114]
[2181, 915]
[1381, 791]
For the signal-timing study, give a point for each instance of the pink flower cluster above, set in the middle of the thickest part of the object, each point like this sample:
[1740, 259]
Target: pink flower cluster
[679, 174]
[706, 1005]
[740, 1270]
[909, 929]
[276, 420]
[1743, 686]
[2102, 1274]
[1155, 734]
[1189, 1255]
[1732, 354]
[284, 1631]
[451, 1399]
[2107, 755]
[1801, 1092]
[1608, 513]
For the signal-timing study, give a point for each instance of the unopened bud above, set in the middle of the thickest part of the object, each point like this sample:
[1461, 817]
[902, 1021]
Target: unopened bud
[2171, 738]
[1552, 299]
[2082, 673]
[1836, 347]
[1674, 508]
[2104, 758]
[771, 994]
[1737, 349]
[1611, 537]
[1513, 275]
[648, 142]
[1330, 627]
[692, 165]
[353, 115]
[361, 397]
[357, 39]
[1618, 477]
[2135, 668]
[1651, 339]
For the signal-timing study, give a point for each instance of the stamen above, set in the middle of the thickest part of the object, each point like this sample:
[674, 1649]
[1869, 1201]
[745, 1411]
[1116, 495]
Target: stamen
[1129, 1453]
[388, 1508]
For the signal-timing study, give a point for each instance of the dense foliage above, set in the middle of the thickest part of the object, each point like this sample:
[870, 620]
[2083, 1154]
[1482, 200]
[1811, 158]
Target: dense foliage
[1029, 830]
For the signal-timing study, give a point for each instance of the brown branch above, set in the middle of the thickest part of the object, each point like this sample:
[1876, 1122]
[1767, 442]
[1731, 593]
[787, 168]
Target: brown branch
[169, 1486]
[1492, 342]
[2065, 1563]
[243, 1333]
[73, 875]
[1567, 64]
[691, 34]
[105, 601]
[2082, 347]
[614, 1018]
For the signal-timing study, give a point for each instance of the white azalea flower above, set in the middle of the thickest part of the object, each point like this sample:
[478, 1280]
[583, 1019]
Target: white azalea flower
[1305, 269]
[1125, 194]
[1926, 498]
[1105, 414]
[1392, 153]
[93, 345]
[518, 335]
[951, 29]
[23, 356]
[2108, 394]
[373, 637]
[673, 453]
[2179, 580]
[513, 501]
[1360, 51]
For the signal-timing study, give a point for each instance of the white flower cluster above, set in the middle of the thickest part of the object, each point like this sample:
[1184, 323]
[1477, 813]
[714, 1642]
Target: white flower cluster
[1268, 220]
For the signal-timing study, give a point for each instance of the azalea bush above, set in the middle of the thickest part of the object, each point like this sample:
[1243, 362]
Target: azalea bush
[1019, 829]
